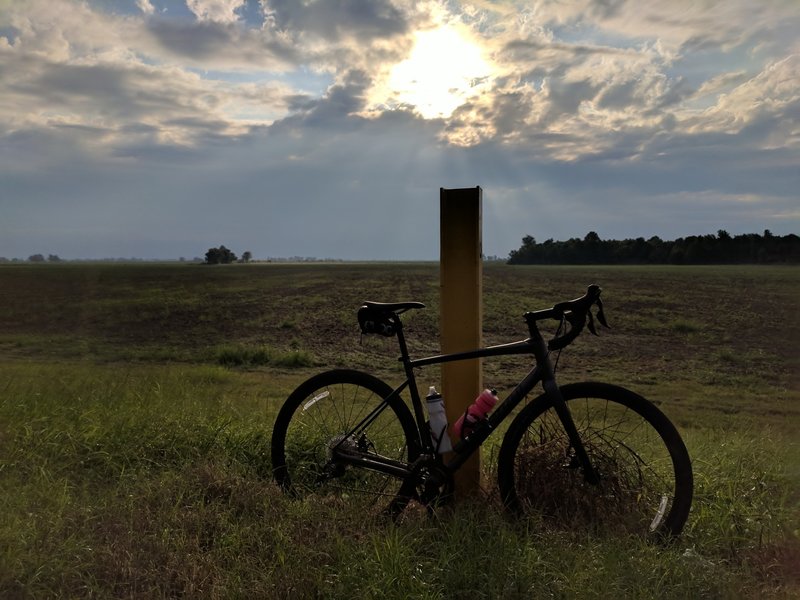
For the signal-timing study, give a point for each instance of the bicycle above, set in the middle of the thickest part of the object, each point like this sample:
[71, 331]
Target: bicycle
[588, 454]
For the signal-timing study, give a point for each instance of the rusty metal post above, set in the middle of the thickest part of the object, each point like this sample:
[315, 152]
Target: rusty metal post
[461, 275]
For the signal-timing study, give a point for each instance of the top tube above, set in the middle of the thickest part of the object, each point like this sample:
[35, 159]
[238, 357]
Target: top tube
[520, 347]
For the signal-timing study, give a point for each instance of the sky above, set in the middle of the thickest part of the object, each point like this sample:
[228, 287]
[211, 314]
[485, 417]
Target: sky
[326, 128]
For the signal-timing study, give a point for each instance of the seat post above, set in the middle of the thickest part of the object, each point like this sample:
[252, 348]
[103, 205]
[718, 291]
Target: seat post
[401, 341]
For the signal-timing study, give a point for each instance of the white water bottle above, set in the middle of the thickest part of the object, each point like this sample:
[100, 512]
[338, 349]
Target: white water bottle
[438, 421]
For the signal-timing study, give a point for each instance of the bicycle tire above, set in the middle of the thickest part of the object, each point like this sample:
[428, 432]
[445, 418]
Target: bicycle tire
[317, 415]
[645, 471]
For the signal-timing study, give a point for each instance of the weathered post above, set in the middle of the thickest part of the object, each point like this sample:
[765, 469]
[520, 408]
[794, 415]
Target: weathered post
[461, 309]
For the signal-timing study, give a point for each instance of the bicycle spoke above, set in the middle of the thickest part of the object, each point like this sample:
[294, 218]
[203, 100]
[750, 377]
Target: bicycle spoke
[338, 414]
[638, 481]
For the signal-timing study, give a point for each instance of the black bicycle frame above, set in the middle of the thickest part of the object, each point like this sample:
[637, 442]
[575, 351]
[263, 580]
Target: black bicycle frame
[543, 371]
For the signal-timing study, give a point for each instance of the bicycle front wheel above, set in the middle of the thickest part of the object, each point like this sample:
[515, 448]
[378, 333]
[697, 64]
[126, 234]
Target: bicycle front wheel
[645, 472]
[326, 415]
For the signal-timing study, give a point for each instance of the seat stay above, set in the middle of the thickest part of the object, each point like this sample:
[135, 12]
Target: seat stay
[373, 414]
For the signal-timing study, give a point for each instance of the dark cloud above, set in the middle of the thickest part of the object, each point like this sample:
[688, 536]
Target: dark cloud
[564, 97]
[220, 44]
[553, 51]
[199, 40]
[605, 9]
[64, 82]
[333, 19]
[100, 89]
[618, 95]
[509, 110]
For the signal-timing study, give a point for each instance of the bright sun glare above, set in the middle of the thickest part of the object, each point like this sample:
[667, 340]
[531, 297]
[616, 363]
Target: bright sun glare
[442, 73]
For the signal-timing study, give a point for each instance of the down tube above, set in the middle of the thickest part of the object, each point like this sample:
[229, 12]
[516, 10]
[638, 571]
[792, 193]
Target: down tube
[464, 449]
[515, 397]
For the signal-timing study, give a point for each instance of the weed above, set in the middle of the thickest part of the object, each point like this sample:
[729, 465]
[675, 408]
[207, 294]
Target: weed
[294, 359]
[247, 356]
[684, 326]
[236, 356]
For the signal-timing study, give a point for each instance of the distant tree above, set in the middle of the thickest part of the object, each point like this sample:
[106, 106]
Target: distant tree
[36, 258]
[591, 250]
[54, 258]
[220, 256]
[527, 253]
[591, 238]
[247, 256]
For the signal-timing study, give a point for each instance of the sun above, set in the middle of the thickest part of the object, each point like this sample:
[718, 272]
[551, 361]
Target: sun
[444, 70]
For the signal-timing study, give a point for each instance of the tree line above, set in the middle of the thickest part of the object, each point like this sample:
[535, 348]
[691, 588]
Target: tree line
[214, 256]
[721, 248]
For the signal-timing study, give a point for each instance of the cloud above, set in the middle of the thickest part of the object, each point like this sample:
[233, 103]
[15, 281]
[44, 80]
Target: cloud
[70, 71]
[114, 94]
[220, 11]
[145, 6]
[719, 83]
[570, 98]
[764, 110]
[362, 20]
[220, 45]
[338, 107]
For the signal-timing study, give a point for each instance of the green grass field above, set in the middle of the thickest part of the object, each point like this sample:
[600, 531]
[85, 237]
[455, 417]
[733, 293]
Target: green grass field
[137, 401]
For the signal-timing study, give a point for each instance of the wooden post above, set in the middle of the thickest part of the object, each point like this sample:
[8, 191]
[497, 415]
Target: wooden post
[461, 310]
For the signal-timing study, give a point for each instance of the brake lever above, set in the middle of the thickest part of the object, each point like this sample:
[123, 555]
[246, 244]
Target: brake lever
[590, 324]
[601, 316]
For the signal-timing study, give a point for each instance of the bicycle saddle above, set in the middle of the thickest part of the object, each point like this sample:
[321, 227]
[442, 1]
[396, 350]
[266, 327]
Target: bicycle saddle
[393, 306]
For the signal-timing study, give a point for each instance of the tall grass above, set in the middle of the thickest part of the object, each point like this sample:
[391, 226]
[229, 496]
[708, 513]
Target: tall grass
[233, 355]
[156, 483]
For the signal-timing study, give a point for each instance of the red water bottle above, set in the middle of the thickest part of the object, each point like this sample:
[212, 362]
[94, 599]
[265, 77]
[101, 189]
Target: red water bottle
[476, 412]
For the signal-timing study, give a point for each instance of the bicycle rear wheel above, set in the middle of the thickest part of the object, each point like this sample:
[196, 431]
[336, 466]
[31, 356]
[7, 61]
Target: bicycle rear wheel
[317, 417]
[645, 472]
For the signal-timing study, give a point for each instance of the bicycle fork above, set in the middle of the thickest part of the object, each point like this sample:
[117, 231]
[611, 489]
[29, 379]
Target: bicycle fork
[552, 390]
[562, 410]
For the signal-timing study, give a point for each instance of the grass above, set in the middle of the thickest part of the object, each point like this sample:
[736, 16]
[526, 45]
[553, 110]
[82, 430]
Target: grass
[685, 326]
[238, 355]
[134, 462]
